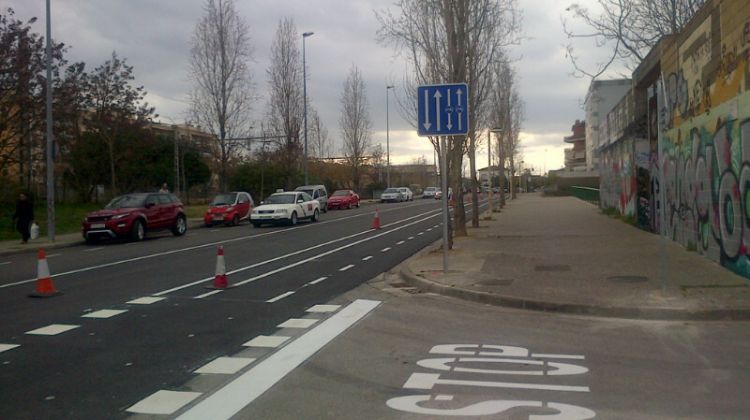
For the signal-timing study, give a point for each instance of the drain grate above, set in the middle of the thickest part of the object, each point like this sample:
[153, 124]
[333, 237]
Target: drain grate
[552, 267]
[628, 279]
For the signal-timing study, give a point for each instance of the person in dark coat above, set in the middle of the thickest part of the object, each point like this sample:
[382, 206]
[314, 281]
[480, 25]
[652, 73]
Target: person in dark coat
[23, 216]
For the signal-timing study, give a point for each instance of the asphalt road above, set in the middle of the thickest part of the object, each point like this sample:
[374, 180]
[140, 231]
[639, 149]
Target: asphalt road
[103, 365]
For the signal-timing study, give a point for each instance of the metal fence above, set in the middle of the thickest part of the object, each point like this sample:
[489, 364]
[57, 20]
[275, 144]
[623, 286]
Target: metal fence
[586, 194]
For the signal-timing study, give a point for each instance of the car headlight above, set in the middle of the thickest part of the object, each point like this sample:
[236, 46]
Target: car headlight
[120, 216]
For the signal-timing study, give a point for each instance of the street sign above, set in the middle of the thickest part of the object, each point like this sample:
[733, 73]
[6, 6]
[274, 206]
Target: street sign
[443, 110]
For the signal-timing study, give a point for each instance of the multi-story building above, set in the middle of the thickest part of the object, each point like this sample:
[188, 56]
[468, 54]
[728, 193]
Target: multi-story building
[575, 157]
[602, 96]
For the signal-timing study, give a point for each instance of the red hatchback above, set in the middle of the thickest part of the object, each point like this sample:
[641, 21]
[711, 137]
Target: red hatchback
[132, 215]
[229, 208]
[343, 199]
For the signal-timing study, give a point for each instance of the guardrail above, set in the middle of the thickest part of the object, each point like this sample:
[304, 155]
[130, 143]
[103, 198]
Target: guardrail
[586, 194]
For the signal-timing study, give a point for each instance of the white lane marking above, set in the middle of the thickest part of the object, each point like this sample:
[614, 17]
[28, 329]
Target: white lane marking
[386, 249]
[318, 280]
[214, 230]
[324, 308]
[400, 242]
[52, 329]
[279, 297]
[93, 249]
[225, 365]
[297, 323]
[6, 347]
[429, 230]
[268, 341]
[429, 380]
[5, 262]
[147, 300]
[207, 294]
[281, 257]
[346, 267]
[163, 402]
[367, 258]
[420, 233]
[558, 356]
[410, 238]
[233, 397]
[54, 255]
[436, 225]
[104, 313]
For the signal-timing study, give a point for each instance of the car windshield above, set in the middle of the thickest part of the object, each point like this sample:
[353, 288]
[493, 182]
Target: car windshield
[281, 199]
[391, 190]
[309, 192]
[224, 199]
[126, 201]
[340, 193]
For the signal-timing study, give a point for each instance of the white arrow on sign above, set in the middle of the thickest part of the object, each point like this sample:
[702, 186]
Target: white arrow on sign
[437, 108]
[450, 114]
[459, 92]
[427, 123]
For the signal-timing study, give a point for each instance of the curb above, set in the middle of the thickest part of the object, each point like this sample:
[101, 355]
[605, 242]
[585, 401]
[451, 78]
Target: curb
[653, 314]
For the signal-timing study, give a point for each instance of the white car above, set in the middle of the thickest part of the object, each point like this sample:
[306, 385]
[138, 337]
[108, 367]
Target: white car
[391, 194]
[286, 207]
[407, 193]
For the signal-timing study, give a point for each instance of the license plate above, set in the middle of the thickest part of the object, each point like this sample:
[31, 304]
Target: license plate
[97, 226]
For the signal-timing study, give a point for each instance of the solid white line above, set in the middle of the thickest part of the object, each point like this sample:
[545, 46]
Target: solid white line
[281, 257]
[233, 397]
[386, 249]
[279, 297]
[211, 293]
[93, 249]
[346, 267]
[367, 258]
[53, 255]
[316, 281]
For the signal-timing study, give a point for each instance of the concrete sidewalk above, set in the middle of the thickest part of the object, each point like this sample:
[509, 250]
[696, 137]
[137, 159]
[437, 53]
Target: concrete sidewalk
[562, 254]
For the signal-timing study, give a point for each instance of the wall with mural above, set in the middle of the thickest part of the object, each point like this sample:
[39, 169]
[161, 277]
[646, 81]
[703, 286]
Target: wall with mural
[617, 184]
[704, 138]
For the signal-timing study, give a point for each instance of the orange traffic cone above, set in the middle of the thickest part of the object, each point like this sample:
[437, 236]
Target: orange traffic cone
[44, 286]
[221, 281]
[376, 220]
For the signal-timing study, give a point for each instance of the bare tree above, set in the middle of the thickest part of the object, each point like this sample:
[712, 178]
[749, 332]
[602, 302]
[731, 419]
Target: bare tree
[222, 85]
[319, 141]
[451, 41]
[355, 122]
[507, 113]
[630, 27]
[286, 102]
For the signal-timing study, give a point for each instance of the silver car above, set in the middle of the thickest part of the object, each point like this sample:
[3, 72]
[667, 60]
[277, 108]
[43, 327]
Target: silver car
[407, 193]
[391, 194]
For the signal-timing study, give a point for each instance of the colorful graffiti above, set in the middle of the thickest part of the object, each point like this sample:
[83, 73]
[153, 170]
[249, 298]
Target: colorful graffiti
[705, 173]
[617, 183]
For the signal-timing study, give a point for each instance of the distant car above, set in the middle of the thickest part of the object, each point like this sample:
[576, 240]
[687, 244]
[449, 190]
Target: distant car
[229, 208]
[391, 194]
[439, 194]
[132, 215]
[407, 193]
[429, 192]
[317, 192]
[286, 207]
[343, 199]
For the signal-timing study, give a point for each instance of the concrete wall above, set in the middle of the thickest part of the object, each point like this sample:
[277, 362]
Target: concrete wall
[704, 136]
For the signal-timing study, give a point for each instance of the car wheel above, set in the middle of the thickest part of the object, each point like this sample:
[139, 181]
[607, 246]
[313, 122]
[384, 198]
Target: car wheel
[236, 220]
[293, 219]
[180, 226]
[315, 216]
[138, 231]
[325, 208]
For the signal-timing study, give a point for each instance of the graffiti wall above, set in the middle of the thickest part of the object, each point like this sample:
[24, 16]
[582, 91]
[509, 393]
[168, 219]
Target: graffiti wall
[704, 142]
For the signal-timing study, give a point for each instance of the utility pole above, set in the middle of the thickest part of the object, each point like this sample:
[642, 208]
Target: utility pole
[50, 140]
[304, 94]
[387, 139]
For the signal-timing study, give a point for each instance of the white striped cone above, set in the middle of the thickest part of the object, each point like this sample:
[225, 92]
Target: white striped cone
[220, 280]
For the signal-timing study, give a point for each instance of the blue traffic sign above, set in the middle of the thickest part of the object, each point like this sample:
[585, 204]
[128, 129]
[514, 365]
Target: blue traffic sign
[443, 110]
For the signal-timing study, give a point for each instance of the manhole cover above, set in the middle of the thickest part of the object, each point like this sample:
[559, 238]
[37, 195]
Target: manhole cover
[628, 279]
[494, 282]
[552, 267]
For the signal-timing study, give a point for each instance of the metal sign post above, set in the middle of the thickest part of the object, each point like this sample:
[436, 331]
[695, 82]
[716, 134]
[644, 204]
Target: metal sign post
[443, 110]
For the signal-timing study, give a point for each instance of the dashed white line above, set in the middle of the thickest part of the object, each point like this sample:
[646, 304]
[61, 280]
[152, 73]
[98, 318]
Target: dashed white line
[104, 313]
[6, 347]
[279, 297]
[324, 308]
[93, 249]
[298, 323]
[420, 233]
[225, 365]
[163, 402]
[429, 230]
[386, 249]
[5, 262]
[54, 255]
[367, 258]
[410, 238]
[346, 267]
[214, 230]
[400, 242]
[318, 280]
[53, 329]
[147, 300]
[267, 341]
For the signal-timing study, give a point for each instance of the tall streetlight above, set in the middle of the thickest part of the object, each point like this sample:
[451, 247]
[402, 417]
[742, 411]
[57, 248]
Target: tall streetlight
[304, 94]
[489, 162]
[50, 140]
[387, 139]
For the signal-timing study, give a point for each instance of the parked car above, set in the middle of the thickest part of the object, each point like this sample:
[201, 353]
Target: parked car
[229, 208]
[429, 192]
[317, 192]
[391, 194]
[343, 199]
[439, 194]
[407, 193]
[286, 207]
[132, 215]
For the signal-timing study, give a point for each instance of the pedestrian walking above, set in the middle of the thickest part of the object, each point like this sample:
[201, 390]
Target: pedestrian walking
[23, 216]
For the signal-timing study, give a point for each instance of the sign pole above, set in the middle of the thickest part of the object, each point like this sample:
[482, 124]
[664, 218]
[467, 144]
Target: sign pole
[444, 173]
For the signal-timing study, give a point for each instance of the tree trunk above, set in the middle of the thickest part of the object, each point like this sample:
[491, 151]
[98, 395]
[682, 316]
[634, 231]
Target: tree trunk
[111, 145]
[512, 172]
[459, 212]
[474, 182]
[501, 165]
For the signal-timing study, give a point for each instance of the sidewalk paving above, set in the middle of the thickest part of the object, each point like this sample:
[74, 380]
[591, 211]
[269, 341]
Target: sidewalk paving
[562, 254]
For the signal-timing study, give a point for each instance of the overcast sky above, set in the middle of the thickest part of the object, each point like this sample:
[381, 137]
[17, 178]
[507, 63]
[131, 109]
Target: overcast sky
[154, 37]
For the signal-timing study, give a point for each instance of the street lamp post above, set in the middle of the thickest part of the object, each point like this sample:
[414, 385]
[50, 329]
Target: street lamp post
[50, 140]
[387, 139]
[304, 94]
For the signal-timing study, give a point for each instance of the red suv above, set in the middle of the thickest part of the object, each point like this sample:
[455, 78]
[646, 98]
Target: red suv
[229, 208]
[132, 215]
